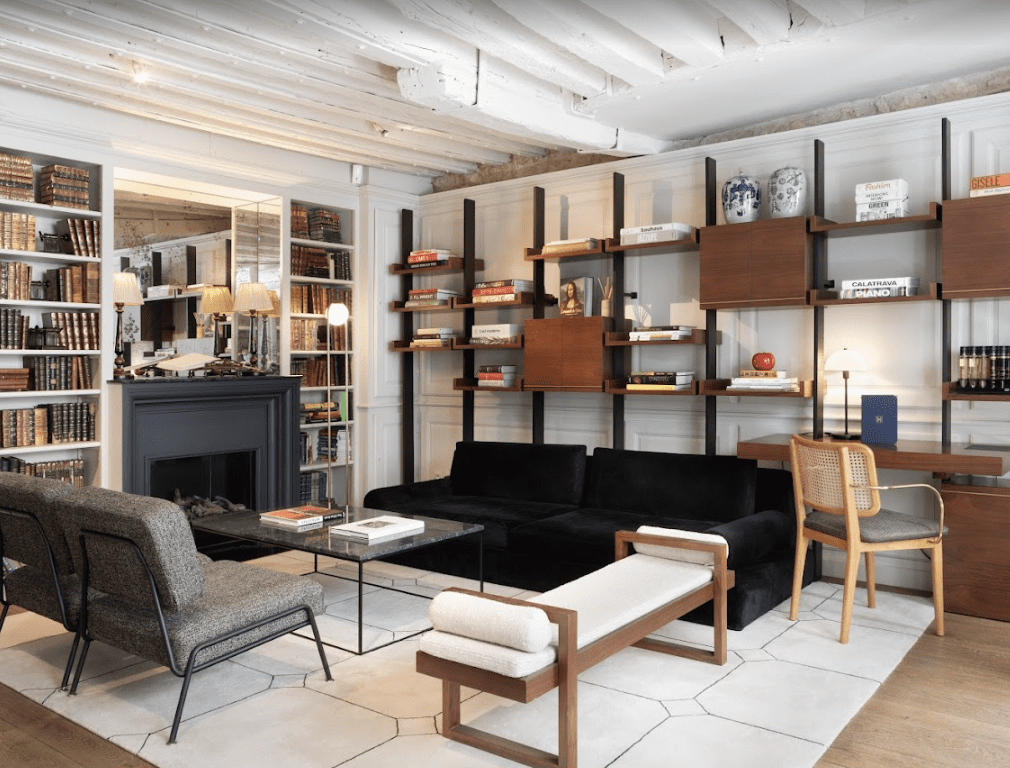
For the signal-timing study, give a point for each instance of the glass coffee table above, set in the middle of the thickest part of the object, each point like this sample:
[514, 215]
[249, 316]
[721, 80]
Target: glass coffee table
[247, 526]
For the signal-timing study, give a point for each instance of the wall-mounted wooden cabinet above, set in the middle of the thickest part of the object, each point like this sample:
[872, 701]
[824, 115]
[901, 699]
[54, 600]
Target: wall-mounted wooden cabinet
[976, 247]
[567, 354]
[756, 264]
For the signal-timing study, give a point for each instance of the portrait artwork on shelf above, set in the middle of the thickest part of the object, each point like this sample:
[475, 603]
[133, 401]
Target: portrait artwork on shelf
[575, 297]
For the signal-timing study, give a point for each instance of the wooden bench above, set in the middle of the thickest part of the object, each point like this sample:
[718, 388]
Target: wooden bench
[619, 606]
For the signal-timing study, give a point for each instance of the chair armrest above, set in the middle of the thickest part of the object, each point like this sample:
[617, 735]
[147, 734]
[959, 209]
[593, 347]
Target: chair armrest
[393, 495]
[755, 538]
[939, 497]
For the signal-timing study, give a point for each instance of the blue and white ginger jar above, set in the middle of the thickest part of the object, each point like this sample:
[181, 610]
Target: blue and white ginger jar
[741, 199]
[787, 193]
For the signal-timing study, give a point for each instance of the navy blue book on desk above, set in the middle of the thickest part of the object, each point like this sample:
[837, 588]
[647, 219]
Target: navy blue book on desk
[880, 419]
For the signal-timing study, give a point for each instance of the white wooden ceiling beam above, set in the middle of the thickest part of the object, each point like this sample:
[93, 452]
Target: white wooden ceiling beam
[591, 36]
[834, 13]
[489, 29]
[686, 29]
[764, 21]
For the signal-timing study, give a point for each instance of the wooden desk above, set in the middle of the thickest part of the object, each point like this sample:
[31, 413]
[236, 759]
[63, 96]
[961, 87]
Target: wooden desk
[918, 455]
[975, 564]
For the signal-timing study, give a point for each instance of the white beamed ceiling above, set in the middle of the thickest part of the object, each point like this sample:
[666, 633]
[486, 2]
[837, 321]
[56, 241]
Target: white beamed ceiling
[435, 86]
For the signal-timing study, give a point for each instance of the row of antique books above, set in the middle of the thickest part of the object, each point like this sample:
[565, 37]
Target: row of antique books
[53, 373]
[316, 262]
[315, 299]
[67, 470]
[65, 186]
[17, 231]
[307, 335]
[79, 283]
[312, 485]
[15, 379]
[17, 177]
[85, 236]
[315, 224]
[49, 424]
[313, 371]
[77, 330]
[13, 328]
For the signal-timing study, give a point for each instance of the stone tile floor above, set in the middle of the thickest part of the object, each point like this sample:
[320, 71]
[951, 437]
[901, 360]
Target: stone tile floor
[787, 691]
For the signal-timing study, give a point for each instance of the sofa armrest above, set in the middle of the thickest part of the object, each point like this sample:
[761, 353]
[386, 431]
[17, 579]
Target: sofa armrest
[755, 538]
[397, 495]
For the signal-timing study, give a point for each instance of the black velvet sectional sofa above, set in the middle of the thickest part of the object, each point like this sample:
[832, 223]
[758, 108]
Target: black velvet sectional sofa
[550, 513]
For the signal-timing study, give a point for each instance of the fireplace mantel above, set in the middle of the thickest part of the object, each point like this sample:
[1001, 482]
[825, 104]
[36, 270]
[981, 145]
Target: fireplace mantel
[175, 418]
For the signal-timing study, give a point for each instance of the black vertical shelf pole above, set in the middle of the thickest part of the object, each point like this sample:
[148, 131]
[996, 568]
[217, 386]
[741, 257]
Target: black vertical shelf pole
[711, 319]
[469, 277]
[945, 346]
[407, 358]
[539, 296]
[191, 302]
[820, 276]
[619, 355]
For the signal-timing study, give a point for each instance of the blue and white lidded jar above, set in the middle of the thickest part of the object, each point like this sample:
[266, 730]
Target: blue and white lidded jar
[741, 198]
[787, 192]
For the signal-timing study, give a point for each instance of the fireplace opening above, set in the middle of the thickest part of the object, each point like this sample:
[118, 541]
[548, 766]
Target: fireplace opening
[211, 484]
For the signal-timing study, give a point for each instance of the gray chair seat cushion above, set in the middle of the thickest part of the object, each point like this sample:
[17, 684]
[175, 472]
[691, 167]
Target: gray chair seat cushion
[236, 595]
[879, 528]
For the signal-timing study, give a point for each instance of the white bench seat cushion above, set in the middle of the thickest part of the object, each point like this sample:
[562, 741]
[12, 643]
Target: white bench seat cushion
[605, 600]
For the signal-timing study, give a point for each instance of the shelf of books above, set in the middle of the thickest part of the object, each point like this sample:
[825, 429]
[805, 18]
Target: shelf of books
[50, 285]
[321, 274]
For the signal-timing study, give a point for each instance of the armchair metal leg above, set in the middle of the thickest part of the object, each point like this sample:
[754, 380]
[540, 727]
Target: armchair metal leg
[80, 666]
[70, 662]
[3, 616]
[182, 701]
[319, 646]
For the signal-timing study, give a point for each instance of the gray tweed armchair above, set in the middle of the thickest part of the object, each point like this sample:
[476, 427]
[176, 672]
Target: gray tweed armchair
[31, 534]
[161, 601]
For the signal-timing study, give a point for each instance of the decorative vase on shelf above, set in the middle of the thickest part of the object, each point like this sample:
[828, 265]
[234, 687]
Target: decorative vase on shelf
[787, 192]
[606, 307]
[741, 198]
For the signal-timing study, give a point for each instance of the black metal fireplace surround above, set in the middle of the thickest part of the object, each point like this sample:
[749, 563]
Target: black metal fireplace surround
[207, 437]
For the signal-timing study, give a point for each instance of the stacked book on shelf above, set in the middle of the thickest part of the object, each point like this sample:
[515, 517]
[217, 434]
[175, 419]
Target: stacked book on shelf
[881, 200]
[577, 245]
[332, 445]
[17, 179]
[501, 376]
[309, 262]
[65, 186]
[50, 373]
[879, 287]
[15, 280]
[660, 381]
[341, 264]
[376, 529]
[17, 231]
[15, 379]
[432, 337]
[494, 333]
[80, 283]
[85, 236]
[13, 328]
[324, 225]
[660, 332]
[299, 221]
[334, 410]
[429, 297]
[993, 184]
[311, 485]
[428, 257]
[491, 291]
[751, 380]
[654, 233]
[77, 330]
[66, 470]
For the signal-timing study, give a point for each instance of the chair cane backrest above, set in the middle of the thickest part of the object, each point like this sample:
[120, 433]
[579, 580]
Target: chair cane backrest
[825, 471]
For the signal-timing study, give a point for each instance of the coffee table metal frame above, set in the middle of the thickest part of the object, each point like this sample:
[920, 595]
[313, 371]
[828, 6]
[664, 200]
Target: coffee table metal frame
[246, 525]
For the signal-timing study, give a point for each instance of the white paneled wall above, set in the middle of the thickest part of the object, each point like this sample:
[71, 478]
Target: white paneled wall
[901, 343]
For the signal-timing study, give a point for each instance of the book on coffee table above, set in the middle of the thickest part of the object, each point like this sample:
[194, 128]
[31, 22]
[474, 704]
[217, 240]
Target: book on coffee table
[295, 518]
[375, 529]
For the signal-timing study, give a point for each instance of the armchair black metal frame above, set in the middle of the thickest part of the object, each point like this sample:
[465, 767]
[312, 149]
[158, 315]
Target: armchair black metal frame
[20, 552]
[191, 665]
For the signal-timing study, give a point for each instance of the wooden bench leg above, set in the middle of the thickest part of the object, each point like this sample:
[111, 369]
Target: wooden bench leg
[450, 707]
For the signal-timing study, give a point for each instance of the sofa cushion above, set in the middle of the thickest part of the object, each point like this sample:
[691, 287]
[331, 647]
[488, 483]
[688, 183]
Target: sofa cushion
[498, 516]
[586, 535]
[553, 474]
[673, 485]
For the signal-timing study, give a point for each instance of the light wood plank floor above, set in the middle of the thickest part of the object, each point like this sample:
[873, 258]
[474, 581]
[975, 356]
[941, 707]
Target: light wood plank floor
[947, 705]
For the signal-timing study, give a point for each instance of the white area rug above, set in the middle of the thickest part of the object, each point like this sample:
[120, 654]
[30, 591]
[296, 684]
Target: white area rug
[788, 689]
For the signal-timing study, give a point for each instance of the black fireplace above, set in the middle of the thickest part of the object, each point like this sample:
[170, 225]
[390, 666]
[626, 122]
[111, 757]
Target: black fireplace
[235, 438]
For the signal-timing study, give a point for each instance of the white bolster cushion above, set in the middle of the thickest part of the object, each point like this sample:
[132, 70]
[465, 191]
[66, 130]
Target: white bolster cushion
[672, 552]
[522, 627]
